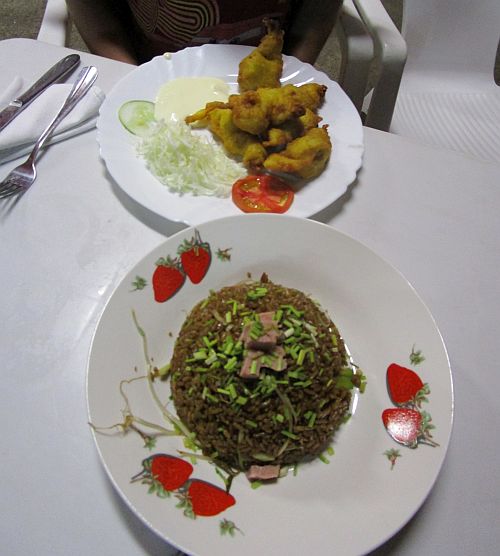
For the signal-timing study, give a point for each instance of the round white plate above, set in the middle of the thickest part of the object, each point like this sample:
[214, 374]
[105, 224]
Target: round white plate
[118, 146]
[358, 500]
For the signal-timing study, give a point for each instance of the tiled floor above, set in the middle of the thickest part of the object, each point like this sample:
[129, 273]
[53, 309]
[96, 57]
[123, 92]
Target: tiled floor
[22, 18]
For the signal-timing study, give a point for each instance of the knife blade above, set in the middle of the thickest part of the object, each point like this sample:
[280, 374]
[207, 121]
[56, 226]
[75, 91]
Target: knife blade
[56, 72]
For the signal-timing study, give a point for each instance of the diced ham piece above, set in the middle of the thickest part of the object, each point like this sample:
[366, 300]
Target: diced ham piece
[245, 333]
[267, 319]
[270, 328]
[246, 368]
[268, 339]
[264, 343]
[263, 350]
[263, 472]
[275, 360]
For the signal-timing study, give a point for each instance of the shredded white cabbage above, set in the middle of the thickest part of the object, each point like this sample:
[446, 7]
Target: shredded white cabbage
[187, 163]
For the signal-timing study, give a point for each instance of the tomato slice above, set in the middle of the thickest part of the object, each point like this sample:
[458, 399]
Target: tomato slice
[262, 193]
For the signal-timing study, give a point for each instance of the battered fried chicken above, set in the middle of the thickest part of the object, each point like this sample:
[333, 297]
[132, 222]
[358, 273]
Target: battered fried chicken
[201, 116]
[305, 157]
[311, 95]
[279, 137]
[256, 111]
[235, 141]
[263, 66]
[266, 118]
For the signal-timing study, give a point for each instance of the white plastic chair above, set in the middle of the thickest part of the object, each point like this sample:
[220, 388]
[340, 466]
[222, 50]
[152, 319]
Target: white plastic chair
[55, 26]
[448, 97]
[388, 61]
[357, 53]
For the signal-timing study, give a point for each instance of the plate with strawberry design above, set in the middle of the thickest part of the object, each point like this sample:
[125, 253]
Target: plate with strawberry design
[119, 148]
[382, 462]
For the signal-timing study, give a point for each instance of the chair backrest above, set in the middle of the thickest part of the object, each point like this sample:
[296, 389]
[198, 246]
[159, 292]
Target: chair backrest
[451, 35]
[55, 25]
[389, 60]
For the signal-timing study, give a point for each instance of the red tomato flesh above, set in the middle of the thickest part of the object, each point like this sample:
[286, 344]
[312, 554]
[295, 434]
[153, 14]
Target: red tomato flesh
[262, 193]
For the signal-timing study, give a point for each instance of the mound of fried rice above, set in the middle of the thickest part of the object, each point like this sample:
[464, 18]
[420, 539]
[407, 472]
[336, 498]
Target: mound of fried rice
[271, 417]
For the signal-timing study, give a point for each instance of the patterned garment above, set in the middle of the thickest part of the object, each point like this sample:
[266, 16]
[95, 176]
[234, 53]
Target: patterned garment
[169, 25]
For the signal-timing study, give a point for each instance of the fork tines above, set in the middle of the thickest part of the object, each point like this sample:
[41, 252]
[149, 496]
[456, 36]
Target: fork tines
[10, 187]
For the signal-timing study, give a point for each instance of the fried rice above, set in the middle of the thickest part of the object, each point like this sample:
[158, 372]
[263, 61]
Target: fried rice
[261, 376]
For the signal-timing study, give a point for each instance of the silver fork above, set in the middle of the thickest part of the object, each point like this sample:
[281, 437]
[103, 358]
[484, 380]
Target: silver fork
[22, 177]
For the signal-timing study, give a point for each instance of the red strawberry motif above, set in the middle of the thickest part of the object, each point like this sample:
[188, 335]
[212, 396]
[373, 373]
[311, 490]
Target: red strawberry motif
[403, 425]
[404, 385]
[196, 257]
[409, 426]
[166, 474]
[168, 471]
[168, 279]
[207, 499]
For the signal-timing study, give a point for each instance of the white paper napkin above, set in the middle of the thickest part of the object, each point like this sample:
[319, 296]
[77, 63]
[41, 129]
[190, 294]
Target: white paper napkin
[18, 138]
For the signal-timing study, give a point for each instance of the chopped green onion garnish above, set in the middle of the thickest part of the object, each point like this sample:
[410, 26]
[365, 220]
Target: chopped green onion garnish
[303, 383]
[231, 364]
[200, 354]
[232, 391]
[311, 419]
[164, 370]
[253, 368]
[291, 309]
[263, 457]
[223, 391]
[345, 383]
[217, 316]
[257, 293]
[301, 356]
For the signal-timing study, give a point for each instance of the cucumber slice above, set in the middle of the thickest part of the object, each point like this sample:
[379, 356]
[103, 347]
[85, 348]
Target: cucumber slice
[137, 116]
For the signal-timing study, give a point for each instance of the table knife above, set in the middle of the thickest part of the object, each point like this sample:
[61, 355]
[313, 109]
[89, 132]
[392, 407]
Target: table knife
[56, 72]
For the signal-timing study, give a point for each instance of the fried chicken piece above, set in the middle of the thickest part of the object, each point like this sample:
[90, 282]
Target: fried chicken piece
[305, 156]
[263, 66]
[202, 114]
[256, 111]
[235, 141]
[279, 137]
[311, 95]
[218, 117]
[254, 155]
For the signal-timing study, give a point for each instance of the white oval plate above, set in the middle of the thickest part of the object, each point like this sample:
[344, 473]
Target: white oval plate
[358, 500]
[118, 146]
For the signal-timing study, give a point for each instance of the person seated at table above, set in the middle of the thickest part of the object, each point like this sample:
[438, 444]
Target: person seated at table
[134, 31]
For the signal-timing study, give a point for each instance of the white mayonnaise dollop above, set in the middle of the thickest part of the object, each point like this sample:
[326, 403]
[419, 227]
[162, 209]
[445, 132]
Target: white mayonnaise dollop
[180, 97]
